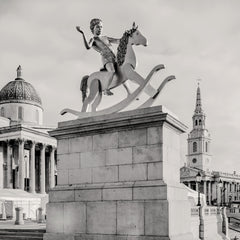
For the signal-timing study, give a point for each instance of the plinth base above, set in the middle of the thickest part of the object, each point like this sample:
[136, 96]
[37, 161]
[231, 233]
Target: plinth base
[118, 179]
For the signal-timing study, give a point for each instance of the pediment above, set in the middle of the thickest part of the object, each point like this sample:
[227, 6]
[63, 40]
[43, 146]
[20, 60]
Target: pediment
[188, 172]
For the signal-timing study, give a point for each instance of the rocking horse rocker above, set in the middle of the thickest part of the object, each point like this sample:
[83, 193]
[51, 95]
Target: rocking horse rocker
[98, 82]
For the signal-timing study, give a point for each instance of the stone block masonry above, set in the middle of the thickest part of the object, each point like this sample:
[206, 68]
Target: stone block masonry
[119, 179]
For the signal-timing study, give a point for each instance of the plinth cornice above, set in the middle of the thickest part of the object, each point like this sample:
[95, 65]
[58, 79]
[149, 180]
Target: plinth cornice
[139, 118]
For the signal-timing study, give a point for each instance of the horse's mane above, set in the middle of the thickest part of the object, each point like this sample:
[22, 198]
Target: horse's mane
[122, 47]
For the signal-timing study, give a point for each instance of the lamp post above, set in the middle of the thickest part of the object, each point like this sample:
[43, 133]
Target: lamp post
[198, 180]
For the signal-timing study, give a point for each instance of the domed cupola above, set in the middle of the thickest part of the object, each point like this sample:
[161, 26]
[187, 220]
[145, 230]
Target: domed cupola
[20, 91]
[20, 102]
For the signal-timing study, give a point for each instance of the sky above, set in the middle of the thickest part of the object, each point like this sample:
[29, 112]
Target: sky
[193, 39]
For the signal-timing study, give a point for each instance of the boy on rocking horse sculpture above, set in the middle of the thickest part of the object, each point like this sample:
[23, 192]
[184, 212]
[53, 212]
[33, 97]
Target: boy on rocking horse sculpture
[102, 45]
[119, 70]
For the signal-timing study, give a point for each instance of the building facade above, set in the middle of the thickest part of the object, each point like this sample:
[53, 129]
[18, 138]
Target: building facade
[220, 188]
[27, 152]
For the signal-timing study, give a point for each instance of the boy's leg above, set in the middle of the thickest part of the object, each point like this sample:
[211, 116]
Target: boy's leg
[110, 68]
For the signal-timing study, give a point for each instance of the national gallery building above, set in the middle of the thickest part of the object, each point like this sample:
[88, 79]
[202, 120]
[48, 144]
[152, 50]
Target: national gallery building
[27, 152]
[220, 188]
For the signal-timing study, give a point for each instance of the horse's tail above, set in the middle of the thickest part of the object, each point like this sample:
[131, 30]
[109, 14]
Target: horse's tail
[99, 87]
[83, 87]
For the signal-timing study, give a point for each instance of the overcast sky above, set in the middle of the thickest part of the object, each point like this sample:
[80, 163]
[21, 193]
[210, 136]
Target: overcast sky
[193, 39]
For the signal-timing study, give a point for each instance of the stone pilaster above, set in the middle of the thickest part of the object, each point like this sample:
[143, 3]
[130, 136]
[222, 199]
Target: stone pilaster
[32, 168]
[42, 171]
[52, 168]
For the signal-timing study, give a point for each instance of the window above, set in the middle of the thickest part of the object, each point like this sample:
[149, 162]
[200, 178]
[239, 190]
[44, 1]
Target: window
[195, 122]
[194, 147]
[20, 113]
[2, 112]
[200, 122]
[37, 116]
[194, 160]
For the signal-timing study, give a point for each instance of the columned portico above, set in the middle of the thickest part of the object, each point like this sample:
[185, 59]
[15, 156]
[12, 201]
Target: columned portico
[21, 168]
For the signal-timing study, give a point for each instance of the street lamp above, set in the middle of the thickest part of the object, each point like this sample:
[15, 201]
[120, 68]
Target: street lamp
[198, 180]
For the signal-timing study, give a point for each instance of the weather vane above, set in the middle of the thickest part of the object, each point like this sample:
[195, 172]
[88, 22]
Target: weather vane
[198, 81]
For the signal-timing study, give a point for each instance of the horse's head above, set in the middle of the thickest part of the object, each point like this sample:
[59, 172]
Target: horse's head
[136, 38]
[132, 37]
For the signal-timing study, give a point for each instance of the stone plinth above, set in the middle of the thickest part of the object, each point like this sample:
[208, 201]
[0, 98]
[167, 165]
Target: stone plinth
[118, 179]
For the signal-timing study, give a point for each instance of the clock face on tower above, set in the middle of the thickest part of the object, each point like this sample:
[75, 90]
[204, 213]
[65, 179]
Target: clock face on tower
[194, 160]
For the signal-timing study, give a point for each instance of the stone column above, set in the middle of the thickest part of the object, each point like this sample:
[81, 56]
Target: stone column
[210, 193]
[42, 171]
[9, 166]
[205, 188]
[21, 168]
[197, 186]
[218, 194]
[52, 168]
[189, 184]
[32, 168]
[237, 191]
[226, 192]
[234, 191]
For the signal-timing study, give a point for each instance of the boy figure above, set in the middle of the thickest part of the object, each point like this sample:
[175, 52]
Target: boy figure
[102, 45]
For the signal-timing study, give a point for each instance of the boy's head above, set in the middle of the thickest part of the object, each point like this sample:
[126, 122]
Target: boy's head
[94, 22]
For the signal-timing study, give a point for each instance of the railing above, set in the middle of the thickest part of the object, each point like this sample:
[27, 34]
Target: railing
[234, 223]
[195, 211]
[202, 216]
[208, 211]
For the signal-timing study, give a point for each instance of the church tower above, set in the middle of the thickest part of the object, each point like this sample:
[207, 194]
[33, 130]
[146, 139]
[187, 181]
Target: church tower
[199, 139]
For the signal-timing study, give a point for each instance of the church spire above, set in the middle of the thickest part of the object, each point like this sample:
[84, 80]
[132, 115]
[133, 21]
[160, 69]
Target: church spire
[198, 116]
[198, 108]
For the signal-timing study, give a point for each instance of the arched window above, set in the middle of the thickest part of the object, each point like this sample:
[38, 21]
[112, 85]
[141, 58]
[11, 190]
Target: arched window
[2, 112]
[206, 147]
[37, 116]
[20, 113]
[196, 122]
[194, 147]
[200, 122]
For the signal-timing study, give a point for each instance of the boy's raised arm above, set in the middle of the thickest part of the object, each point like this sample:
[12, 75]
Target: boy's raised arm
[87, 45]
